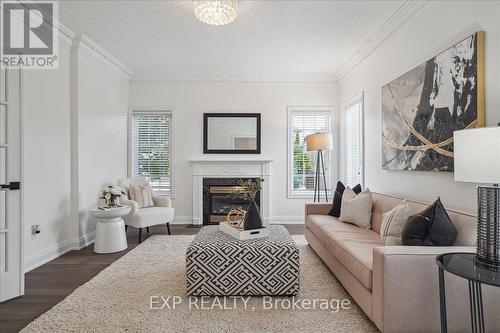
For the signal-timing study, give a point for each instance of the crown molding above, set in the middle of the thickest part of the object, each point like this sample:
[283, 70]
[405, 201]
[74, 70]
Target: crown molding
[395, 20]
[289, 78]
[93, 49]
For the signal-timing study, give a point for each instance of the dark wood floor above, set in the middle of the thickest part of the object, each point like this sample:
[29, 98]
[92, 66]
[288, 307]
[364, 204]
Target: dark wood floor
[49, 284]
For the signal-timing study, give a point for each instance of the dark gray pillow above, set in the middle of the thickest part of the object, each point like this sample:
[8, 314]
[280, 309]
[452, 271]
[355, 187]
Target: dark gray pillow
[432, 227]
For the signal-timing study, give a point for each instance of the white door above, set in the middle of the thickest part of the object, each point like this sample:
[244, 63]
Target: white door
[11, 244]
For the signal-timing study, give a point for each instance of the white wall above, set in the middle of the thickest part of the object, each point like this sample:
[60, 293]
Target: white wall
[75, 141]
[46, 153]
[190, 100]
[103, 93]
[439, 25]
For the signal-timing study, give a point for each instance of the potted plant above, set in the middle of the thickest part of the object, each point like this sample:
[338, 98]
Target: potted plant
[248, 191]
[111, 194]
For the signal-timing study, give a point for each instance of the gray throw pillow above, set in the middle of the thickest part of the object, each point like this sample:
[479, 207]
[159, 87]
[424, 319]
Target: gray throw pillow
[393, 224]
[357, 209]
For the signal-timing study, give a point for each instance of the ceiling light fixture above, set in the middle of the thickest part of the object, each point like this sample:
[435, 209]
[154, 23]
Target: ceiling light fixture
[215, 12]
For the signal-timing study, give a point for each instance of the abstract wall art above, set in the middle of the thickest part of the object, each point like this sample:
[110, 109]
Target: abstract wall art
[422, 108]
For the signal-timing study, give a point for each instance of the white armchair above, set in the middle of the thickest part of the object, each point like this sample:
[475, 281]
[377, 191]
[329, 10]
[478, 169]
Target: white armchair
[161, 213]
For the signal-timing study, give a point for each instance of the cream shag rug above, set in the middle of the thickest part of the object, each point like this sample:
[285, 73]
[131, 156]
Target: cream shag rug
[118, 299]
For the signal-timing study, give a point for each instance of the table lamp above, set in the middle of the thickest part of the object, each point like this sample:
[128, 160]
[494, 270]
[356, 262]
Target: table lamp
[319, 142]
[477, 160]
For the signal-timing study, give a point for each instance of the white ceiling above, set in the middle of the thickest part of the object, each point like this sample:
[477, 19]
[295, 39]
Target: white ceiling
[269, 39]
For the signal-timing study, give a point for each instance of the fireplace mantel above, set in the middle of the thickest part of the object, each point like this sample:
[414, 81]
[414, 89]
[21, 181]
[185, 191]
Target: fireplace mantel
[230, 168]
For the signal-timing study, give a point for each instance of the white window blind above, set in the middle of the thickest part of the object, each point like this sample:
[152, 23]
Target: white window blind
[354, 142]
[301, 163]
[152, 149]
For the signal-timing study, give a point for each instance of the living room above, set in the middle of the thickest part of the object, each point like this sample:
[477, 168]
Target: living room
[261, 166]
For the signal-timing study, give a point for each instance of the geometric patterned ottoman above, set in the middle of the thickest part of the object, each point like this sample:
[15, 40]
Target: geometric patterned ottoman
[219, 265]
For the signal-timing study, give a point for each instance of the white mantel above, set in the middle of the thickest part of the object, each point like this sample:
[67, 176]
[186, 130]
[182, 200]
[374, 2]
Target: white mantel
[230, 168]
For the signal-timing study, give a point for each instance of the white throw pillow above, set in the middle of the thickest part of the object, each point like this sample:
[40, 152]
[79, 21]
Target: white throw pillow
[357, 209]
[393, 224]
[142, 195]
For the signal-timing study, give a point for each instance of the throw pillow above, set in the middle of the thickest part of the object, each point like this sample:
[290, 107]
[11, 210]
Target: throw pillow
[142, 195]
[393, 224]
[357, 208]
[337, 198]
[432, 227]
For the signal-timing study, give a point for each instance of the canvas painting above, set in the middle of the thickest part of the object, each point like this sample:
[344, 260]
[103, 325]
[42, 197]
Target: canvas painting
[422, 108]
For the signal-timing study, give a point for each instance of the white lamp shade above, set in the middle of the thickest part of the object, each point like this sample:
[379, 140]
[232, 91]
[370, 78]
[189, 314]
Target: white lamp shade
[477, 155]
[319, 141]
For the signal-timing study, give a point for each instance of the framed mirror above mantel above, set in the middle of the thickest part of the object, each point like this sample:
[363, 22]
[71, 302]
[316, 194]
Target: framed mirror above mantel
[231, 133]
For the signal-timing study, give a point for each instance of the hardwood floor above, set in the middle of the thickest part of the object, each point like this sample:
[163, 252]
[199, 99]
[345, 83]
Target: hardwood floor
[49, 284]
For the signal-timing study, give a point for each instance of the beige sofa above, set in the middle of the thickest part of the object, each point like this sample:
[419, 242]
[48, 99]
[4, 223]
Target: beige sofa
[397, 286]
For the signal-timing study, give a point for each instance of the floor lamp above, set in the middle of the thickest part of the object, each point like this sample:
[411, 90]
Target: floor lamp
[477, 160]
[319, 142]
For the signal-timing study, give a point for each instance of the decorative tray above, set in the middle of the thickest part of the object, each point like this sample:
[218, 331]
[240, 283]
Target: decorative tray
[241, 234]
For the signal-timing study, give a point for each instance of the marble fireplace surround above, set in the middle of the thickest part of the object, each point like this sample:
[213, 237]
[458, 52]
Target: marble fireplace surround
[230, 168]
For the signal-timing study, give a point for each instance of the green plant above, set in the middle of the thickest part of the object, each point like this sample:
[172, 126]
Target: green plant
[248, 189]
[154, 163]
[302, 163]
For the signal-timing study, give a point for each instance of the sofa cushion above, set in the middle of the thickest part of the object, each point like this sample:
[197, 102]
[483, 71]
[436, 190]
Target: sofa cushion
[393, 224]
[337, 198]
[357, 256]
[357, 208]
[348, 243]
[431, 227]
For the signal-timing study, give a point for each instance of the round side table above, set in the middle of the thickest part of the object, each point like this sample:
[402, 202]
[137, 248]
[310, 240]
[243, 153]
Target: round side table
[462, 264]
[110, 231]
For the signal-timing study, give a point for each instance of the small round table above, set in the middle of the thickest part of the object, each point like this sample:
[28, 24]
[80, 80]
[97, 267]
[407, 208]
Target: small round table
[110, 231]
[462, 264]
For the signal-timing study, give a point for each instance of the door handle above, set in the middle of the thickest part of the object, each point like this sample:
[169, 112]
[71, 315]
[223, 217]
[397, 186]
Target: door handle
[11, 186]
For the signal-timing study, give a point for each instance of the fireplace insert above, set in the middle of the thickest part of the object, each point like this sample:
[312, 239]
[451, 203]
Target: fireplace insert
[218, 201]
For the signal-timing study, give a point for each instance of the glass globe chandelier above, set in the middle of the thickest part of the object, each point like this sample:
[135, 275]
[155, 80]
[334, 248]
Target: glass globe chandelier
[215, 12]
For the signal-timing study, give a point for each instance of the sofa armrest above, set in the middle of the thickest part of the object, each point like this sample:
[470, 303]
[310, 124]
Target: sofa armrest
[162, 201]
[317, 208]
[133, 204]
[405, 287]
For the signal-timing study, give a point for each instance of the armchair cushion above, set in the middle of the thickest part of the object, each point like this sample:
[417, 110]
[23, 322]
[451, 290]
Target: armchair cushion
[162, 201]
[161, 211]
[150, 216]
[142, 195]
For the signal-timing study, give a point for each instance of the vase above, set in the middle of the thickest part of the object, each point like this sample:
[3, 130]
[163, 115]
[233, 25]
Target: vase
[113, 202]
[252, 218]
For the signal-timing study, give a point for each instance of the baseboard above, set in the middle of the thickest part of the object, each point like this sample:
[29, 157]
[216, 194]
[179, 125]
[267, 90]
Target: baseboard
[48, 254]
[86, 240]
[182, 220]
[286, 220]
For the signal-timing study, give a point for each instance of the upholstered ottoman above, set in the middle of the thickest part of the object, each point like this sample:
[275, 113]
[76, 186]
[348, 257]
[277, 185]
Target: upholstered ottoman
[219, 265]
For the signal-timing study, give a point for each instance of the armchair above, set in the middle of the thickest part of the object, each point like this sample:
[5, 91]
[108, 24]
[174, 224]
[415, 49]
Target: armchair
[161, 213]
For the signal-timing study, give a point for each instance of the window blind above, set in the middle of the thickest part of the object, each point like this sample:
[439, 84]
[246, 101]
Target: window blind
[353, 143]
[152, 148]
[302, 164]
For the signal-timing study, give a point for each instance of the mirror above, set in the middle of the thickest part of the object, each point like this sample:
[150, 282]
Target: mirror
[231, 133]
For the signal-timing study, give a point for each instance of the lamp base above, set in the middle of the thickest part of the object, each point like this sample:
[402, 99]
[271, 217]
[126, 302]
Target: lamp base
[492, 267]
[488, 227]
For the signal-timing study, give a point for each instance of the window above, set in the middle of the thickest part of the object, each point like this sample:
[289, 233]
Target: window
[354, 141]
[303, 121]
[152, 149]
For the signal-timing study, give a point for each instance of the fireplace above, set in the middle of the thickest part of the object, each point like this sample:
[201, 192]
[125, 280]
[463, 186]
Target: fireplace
[218, 201]
[225, 172]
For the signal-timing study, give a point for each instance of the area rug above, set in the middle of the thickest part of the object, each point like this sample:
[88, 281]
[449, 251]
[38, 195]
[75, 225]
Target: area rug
[145, 290]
